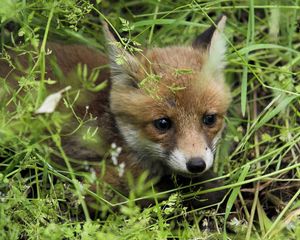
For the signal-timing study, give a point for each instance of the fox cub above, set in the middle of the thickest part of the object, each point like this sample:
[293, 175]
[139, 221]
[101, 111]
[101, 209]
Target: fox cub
[163, 108]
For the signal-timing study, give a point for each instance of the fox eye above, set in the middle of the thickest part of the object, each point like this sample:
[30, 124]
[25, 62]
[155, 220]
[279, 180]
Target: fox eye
[163, 124]
[209, 119]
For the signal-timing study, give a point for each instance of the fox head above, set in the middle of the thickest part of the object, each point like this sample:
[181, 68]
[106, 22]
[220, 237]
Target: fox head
[169, 103]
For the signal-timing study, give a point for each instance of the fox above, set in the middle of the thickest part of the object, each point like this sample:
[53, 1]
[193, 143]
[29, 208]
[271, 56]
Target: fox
[163, 108]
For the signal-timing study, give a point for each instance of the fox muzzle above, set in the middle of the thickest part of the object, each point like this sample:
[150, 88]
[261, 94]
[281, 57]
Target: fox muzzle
[196, 165]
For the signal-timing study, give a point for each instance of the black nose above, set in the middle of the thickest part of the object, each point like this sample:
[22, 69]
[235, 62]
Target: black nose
[196, 165]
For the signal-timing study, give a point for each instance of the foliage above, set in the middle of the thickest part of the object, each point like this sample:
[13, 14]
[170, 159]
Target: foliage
[258, 157]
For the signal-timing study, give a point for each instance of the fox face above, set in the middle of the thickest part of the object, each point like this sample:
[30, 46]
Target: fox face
[169, 103]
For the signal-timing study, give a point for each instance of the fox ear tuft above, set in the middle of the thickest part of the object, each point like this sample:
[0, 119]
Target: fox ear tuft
[122, 63]
[213, 41]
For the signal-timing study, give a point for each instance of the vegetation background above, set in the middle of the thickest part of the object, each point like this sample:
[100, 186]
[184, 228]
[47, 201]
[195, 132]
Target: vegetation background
[258, 157]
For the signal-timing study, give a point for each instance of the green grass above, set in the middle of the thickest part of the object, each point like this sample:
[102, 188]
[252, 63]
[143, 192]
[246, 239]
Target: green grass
[258, 157]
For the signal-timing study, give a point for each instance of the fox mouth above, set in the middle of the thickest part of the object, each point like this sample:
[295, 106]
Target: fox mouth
[188, 174]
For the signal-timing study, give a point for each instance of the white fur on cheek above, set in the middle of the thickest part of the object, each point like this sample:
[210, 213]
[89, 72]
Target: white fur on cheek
[208, 158]
[177, 161]
[216, 139]
[215, 143]
[141, 145]
[147, 153]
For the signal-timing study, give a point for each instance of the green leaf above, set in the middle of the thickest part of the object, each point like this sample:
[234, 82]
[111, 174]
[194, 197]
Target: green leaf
[279, 108]
[234, 194]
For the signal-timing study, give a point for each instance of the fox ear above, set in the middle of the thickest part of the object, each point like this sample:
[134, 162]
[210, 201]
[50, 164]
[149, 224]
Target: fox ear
[123, 65]
[213, 41]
